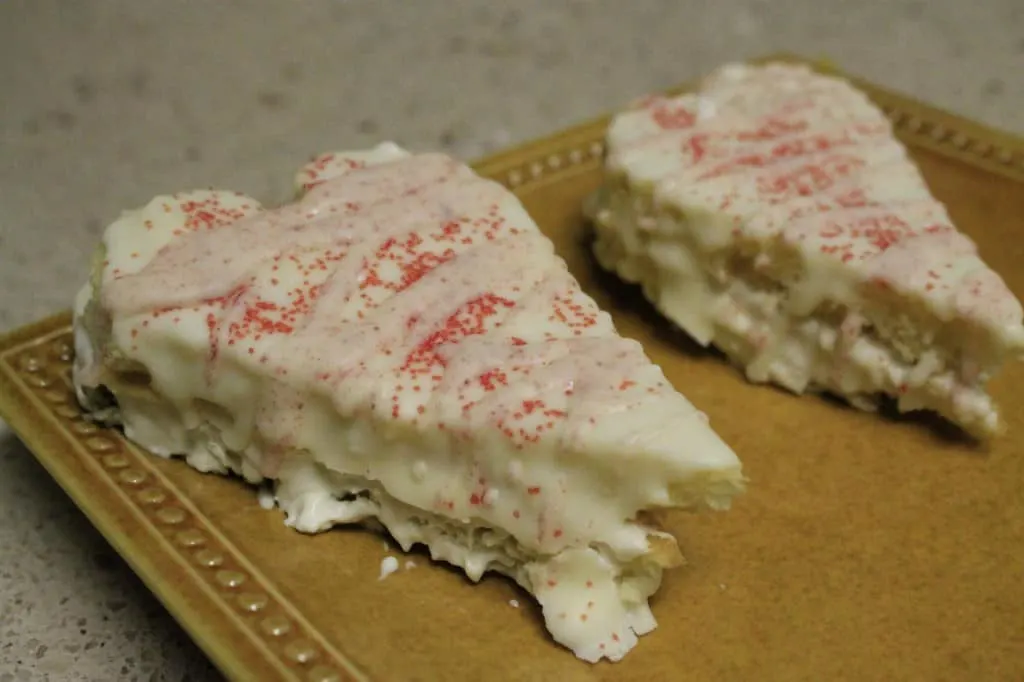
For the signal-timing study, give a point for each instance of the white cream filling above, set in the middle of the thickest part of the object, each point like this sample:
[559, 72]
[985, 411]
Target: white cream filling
[593, 601]
[756, 328]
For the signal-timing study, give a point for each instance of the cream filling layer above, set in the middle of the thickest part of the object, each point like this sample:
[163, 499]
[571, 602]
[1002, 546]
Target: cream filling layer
[593, 597]
[832, 346]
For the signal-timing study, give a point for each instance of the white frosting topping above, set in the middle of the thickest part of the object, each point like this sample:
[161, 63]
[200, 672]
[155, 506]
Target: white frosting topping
[407, 325]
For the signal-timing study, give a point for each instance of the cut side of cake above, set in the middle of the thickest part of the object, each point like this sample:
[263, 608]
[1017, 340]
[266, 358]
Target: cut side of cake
[401, 347]
[773, 214]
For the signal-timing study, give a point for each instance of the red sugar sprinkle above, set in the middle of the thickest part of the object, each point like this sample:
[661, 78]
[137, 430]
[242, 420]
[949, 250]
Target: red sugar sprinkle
[530, 405]
[492, 378]
[668, 115]
[471, 319]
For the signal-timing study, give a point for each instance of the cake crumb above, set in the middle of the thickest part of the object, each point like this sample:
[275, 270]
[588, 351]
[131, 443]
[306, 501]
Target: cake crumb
[388, 565]
[410, 564]
[513, 603]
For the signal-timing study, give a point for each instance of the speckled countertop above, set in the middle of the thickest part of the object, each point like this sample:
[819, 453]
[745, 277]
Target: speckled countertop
[107, 103]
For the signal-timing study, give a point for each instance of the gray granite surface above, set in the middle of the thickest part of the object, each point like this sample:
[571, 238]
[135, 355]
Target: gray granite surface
[108, 102]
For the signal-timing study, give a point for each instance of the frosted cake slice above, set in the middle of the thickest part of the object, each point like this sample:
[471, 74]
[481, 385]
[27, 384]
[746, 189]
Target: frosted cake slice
[774, 215]
[402, 347]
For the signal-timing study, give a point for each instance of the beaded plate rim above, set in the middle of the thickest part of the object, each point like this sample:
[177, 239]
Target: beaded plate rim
[37, 402]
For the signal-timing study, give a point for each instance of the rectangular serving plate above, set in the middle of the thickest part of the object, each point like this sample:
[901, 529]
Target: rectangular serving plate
[868, 547]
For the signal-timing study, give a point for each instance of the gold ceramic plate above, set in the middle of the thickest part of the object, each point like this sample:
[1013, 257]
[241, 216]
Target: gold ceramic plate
[867, 548]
